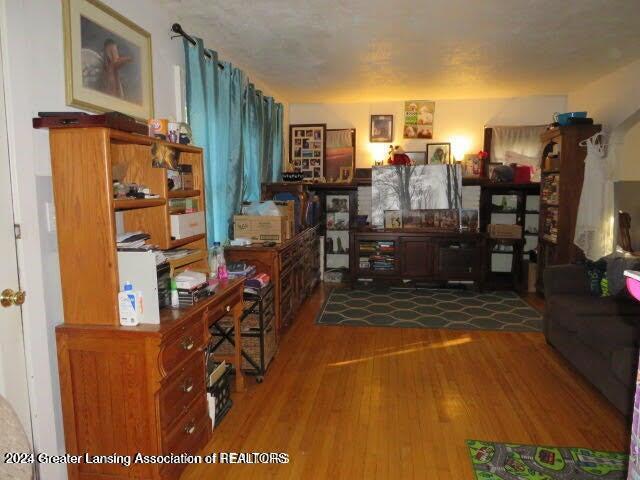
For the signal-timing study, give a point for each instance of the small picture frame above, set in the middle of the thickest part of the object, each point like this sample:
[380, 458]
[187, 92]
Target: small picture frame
[346, 175]
[381, 129]
[438, 153]
[392, 219]
[469, 220]
[417, 158]
[472, 166]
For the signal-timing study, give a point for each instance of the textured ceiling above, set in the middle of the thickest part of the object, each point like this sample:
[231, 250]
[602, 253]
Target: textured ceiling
[374, 50]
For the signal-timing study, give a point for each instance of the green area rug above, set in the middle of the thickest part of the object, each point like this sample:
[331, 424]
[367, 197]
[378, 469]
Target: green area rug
[455, 309]
[508, 461]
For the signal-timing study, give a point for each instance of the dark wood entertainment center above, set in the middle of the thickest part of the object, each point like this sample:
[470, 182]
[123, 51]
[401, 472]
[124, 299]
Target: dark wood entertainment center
[424, 256]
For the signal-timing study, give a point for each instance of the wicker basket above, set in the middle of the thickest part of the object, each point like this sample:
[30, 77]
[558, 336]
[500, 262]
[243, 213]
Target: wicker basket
[251, 338]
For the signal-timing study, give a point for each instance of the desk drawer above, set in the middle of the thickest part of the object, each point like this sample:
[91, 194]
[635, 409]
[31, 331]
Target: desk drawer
[223, 307]
[180, 438]
[179, 347]
[180, 391]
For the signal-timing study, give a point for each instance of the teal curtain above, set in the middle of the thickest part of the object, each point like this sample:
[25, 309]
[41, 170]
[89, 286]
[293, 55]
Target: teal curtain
[240, 131]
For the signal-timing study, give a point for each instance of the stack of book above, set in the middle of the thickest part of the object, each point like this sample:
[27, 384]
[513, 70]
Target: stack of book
[550, 226]
[550, 193]
[133, 241]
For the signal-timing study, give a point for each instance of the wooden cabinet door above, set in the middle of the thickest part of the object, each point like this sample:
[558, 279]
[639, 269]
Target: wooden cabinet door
[418, 257]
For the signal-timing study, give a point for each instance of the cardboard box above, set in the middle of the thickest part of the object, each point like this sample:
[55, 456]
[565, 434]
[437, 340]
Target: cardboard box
[287, 209]
[265, 229]
[187, 225]
[505, 231]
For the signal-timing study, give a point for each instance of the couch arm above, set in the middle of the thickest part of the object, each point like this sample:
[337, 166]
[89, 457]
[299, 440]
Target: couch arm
[565, 279]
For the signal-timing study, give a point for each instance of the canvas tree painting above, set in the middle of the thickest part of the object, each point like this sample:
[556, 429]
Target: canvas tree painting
[417, 187]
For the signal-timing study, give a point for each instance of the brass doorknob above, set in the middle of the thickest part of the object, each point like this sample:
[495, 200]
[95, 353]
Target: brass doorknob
[8, 297]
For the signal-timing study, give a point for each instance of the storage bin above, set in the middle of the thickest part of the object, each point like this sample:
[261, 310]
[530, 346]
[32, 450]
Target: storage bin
[187, 225]
[220, 391]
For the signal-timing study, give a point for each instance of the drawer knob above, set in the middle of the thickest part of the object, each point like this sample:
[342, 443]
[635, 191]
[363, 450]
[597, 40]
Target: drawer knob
[190, 428]
[187, 343]
[187, 386]
[228, 308]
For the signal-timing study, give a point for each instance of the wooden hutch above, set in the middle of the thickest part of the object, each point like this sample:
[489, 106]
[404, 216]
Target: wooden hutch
[127, 389]
[560, 189]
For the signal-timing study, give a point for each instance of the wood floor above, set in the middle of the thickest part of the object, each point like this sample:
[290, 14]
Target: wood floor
[391, 403]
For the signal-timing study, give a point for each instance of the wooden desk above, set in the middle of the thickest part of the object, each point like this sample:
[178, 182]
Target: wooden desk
[141, 389]
[294, 268]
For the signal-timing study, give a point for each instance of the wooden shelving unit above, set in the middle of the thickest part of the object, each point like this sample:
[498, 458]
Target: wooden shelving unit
[499, 253]
[558, 217]
[128, 389]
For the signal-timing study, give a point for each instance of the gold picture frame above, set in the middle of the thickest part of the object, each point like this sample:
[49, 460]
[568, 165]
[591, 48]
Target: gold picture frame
[108, 60]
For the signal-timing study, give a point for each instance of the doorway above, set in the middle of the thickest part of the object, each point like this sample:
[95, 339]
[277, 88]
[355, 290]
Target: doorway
[13, 370]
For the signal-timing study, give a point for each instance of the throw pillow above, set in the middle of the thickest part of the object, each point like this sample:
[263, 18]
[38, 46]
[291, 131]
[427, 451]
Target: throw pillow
[617, 263]
[596, 272]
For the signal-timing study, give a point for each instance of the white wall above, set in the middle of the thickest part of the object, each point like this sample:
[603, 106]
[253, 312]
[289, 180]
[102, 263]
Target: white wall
[629, 155]
[453, 119]
[614, 102]
[33, 58]
[611, 99]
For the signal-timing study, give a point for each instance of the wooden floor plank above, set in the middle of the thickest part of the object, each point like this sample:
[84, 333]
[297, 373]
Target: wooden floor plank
[378, 403]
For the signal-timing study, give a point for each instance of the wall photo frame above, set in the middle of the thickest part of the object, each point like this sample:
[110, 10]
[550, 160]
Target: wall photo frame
[108, 60]
[307, 150]
[381, 129]
[418, 119]
[340, 152]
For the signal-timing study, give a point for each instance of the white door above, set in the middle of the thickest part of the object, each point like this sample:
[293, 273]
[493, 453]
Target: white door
[13, 371]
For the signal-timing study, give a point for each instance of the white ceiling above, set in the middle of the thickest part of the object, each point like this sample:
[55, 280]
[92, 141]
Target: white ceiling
[374, 50]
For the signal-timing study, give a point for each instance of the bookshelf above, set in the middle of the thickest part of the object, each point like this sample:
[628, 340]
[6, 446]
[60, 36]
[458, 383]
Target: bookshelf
[561, 185]
[509, 204]
[144, 385]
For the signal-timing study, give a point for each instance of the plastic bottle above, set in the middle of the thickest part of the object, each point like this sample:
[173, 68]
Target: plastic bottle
[175, 300]
[223, 274]
[213, 261]
[130, 306]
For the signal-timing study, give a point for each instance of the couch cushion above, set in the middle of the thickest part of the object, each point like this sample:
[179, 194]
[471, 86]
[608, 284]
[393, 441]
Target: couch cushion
[564, 305]
[624, 363]
[609, 334]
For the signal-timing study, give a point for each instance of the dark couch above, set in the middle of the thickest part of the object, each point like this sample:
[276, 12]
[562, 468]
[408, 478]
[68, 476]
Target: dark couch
[599, 336]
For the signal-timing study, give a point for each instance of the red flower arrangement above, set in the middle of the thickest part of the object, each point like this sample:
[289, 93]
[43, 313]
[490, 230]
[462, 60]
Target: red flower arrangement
[397, 157]
[482, 155]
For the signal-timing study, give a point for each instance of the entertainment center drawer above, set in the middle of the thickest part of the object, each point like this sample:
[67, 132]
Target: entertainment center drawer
[456, 262]
[181, 389]
[179, 347]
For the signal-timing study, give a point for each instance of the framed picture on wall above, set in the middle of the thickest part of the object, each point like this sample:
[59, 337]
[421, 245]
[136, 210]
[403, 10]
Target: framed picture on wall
[341, 152]
[438, 153]
[381, 128]
[418, 119]
[307, 150]
[107, 60]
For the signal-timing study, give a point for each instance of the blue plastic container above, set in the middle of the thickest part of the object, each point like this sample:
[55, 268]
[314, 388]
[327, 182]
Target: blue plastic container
[563, 118]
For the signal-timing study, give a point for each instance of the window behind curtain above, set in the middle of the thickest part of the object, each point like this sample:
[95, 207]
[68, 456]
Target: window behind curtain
[514, 144]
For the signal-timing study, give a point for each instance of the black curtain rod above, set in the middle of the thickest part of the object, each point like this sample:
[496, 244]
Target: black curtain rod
[177, 28]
